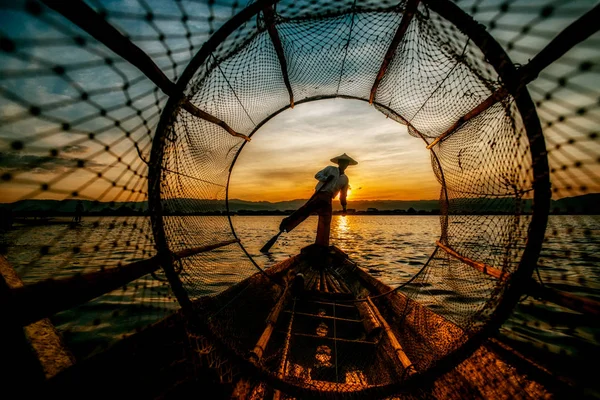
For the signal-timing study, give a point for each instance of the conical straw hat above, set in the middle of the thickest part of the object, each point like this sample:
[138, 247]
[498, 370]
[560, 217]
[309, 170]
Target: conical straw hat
[344, 156]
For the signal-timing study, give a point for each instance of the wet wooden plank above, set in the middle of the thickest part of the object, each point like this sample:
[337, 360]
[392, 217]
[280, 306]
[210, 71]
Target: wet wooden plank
[43, 337]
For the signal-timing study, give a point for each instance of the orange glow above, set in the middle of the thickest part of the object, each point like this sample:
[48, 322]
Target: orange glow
[279, 163]
[343, 226]
[281, 160]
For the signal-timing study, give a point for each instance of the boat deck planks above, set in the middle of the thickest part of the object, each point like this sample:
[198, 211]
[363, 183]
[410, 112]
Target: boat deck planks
[211, 366]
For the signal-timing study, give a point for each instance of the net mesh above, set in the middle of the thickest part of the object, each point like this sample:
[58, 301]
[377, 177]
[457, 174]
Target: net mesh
[86, 131]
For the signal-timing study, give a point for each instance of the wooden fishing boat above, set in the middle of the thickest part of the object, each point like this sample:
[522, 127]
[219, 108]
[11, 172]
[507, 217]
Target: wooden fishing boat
[314, 325]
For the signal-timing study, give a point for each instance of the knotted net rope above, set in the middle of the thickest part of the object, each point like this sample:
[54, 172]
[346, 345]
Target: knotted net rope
[148, 141]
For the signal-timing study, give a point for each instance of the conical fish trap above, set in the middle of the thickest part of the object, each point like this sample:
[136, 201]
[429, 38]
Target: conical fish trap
[140, 109]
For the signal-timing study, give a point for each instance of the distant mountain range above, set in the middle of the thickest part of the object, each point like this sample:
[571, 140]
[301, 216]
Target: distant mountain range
[585, 204]
[426, 205]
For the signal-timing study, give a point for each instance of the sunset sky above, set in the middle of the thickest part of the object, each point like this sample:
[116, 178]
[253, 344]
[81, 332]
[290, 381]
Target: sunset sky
[281, 160]
[278, 164]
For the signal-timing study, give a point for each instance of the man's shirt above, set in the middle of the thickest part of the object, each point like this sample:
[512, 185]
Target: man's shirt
[338, 183]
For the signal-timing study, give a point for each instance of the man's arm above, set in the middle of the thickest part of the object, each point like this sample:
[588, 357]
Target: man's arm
[324, 175]
[343, 194]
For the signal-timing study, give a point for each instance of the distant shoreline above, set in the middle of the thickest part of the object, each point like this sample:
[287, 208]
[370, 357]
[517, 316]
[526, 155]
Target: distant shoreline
[588, 204]
[41, 216]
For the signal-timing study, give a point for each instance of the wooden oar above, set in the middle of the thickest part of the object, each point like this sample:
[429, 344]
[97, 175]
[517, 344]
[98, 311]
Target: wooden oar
[271, 242]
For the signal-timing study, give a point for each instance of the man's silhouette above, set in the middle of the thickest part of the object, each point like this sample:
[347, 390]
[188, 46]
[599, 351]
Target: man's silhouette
[78, 211]
[332, 181]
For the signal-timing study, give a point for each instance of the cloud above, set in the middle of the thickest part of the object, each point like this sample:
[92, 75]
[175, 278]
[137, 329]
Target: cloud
[280, 174]
[13, 162]
[284, 155]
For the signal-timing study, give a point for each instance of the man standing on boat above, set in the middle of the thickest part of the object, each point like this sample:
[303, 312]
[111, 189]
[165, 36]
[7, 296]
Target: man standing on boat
[332, 181]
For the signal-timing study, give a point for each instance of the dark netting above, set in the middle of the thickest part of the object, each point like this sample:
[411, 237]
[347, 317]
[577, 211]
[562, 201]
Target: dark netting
[77, 123]
[435, 62]
[120, 124]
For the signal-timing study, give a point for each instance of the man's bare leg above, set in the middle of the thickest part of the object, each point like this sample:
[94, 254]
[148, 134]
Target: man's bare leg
[324, 226]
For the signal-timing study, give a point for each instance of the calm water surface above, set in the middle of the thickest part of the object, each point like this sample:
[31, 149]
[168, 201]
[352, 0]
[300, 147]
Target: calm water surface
[392, 248]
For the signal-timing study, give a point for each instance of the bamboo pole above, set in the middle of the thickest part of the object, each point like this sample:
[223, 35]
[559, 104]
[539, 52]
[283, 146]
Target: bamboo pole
[202, 249]
[195, 111]
[400, 354]
[335, 354]
[30, 303]
[335, 284]
[409, 12]
[286, 349]
[333, 288]
[568, 38]
[270, 22]
[323, 283]
[317, 285]
[257, 353]
[309, 281]
[343, 285]
[313, 283]
[97, 26]
[370, 322]
[586, 306]
[91, 22]
[487, 103]
[575, 33]
[486, 269]
[39, 300]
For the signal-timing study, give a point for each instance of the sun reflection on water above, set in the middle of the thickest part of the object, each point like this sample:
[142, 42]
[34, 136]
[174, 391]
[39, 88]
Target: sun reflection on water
[343, 226]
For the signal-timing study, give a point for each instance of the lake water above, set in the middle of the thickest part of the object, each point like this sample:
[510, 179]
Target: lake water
[392, 248]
